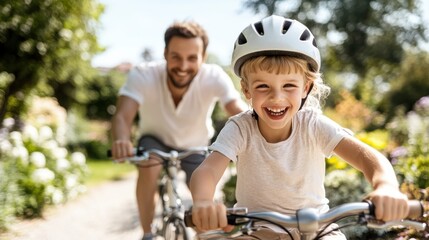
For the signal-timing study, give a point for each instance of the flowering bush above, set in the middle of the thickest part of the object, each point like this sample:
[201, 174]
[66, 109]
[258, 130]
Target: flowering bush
[36, 169]
[411, 157]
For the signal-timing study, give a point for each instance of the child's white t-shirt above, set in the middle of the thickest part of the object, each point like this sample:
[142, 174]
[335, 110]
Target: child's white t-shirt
[283, 176]
[189, 124]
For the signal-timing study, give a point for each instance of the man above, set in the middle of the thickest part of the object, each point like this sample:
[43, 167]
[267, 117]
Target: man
[175, 99]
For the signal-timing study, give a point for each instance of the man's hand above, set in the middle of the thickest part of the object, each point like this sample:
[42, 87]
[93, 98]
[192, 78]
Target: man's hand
[121, 149]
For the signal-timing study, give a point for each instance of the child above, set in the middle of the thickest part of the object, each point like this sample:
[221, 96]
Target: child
[280, 147]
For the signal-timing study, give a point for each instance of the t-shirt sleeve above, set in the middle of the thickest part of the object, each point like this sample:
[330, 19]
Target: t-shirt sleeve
[228, 141]
[329, 134]
[133, 86]
[224, 86]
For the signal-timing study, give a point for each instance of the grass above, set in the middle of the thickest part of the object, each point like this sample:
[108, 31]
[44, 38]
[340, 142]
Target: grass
[103, 171]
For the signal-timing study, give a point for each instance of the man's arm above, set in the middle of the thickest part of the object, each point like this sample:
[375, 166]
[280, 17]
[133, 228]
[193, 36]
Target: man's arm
[235, 106]
[122, 121]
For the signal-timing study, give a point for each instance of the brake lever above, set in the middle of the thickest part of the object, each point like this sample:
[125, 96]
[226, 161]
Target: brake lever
[377, 224]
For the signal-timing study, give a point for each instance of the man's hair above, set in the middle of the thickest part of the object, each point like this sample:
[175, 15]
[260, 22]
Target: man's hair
[186, 29]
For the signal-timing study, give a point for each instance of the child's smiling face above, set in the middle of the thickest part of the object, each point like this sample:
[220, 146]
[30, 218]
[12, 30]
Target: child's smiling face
[276, 98]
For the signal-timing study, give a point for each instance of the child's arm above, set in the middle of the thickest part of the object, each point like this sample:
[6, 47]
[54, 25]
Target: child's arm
[206, 214]
[390, 203]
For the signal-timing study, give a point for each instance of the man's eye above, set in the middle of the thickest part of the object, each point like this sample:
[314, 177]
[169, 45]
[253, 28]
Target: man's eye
[289, 85]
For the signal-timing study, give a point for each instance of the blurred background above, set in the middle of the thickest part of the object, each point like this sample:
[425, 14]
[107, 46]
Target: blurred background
[62, 63]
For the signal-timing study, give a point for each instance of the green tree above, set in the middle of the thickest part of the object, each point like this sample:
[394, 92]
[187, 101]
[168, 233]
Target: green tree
[410, 85]
[365, 38]
[103, 93]
[46, 46]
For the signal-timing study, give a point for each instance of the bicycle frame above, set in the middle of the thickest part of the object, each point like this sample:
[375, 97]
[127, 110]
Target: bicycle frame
[172, 209]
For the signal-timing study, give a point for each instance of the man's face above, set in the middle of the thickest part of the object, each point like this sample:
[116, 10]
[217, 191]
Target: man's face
[184, 58]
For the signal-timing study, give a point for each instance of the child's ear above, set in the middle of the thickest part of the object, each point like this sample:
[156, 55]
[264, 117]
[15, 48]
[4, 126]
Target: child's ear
[245, 89]
[307, 88]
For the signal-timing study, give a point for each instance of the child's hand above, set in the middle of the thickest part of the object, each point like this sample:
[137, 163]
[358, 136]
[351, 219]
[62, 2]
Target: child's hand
[207, 215]
[390, 204]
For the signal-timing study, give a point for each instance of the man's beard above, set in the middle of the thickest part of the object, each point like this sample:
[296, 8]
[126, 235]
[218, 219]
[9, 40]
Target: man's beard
[177, 84]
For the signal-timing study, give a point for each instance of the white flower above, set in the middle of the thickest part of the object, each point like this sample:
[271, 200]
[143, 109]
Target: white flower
[71, 181]
[57, 197]
[8, 122]
[5, 146]
[38, 159]
[45, 133]
[55, 194]
[78, 158]
[62, 164]
[30, 133]
[21, 153]
[60, 153]
[51, 145]
[42, 175]
[16, 138]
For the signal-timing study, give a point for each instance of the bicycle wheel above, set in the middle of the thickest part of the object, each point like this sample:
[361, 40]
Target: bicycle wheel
[175, 229]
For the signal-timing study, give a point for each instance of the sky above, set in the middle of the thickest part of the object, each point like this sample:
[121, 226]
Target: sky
[130, 26]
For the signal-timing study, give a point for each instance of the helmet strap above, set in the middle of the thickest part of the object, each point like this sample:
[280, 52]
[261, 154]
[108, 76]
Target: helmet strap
[305, 99]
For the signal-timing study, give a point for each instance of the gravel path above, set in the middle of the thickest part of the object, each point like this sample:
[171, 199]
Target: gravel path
[107, 212]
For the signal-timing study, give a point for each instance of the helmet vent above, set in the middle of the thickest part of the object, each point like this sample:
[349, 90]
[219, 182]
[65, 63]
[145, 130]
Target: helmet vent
[286, 26]
[314, 42]
[259, 28]
[305, 35]
[242, 39]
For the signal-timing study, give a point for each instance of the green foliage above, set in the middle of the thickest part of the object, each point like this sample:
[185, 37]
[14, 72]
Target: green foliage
[408, 86]
[352, 113]
[102, 171]
[10, 200]
[102, 94]
[47, 43]
[369, 33]
[95, 149]
[344, 186]
[229, 191]
[411, 158]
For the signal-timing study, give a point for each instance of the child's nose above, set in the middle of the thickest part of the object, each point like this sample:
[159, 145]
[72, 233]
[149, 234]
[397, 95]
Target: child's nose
[277, 95]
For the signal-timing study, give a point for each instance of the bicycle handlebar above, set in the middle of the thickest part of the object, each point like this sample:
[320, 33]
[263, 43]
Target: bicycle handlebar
[306, 218]
[141, 154]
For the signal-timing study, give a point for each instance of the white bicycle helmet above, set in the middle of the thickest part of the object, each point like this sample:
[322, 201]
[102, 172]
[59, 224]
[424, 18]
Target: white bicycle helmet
[275, 35]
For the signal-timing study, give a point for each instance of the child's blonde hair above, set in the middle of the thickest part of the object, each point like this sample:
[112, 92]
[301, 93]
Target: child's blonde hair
[285, 65]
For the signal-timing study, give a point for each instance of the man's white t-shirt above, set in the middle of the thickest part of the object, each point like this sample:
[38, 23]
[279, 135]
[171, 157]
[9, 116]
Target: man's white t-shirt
[283, 176]
[189, 124]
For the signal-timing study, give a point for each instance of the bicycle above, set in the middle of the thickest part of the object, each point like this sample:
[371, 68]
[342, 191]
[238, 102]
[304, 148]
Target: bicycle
[171, 225]
[310, 223]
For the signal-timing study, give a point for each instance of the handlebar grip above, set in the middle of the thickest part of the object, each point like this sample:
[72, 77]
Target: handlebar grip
[136, 151]
[416, 209]
[230, 216]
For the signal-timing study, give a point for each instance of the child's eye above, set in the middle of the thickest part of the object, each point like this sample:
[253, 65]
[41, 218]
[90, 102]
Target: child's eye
[262, 86]
[289, 85]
